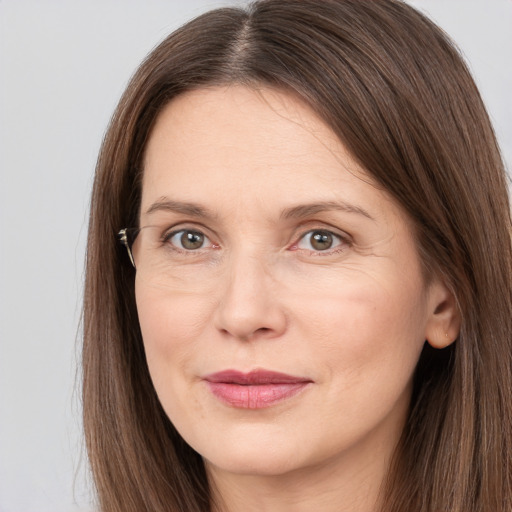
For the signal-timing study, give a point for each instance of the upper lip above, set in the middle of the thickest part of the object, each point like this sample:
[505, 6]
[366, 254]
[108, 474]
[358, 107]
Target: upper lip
[254, 377]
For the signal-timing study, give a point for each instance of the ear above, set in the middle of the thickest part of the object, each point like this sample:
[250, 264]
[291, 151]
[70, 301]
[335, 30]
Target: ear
[443, 324]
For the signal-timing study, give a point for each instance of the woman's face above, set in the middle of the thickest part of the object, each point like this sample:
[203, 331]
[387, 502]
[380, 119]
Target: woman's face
[280, 295]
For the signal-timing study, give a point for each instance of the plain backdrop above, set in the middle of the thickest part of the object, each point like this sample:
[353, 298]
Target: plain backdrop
[63, 66]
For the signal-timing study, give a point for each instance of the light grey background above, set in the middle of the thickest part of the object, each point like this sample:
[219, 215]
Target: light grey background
[63, 66]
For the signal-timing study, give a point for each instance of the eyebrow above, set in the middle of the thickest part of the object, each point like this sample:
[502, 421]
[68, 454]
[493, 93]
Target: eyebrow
[168, 205]
[294, 212]
[305, 210]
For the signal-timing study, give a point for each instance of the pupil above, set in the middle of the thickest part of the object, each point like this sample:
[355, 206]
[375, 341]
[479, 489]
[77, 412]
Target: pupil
[191, 240]
[321, 240]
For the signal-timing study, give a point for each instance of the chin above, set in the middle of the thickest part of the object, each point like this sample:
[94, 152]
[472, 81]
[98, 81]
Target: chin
[263, 454]
[254, 463]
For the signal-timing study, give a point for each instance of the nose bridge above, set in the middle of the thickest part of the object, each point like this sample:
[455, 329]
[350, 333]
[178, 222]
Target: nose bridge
[249, 304]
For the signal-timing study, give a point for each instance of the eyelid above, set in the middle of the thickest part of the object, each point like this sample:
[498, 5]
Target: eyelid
[187, 225]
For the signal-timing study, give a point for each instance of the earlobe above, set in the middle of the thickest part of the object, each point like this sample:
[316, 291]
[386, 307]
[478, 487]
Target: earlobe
[443, 326]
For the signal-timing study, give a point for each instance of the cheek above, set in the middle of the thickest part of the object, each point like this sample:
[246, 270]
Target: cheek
[367, 330]
[366, 342]
[170, 325]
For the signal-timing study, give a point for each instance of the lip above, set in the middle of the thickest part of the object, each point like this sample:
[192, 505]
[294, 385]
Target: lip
[254, 390]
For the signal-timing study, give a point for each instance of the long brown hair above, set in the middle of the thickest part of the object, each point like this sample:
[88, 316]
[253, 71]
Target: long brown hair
[396, 92]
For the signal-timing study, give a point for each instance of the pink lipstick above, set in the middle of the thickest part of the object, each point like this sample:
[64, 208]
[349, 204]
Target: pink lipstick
[256, 389]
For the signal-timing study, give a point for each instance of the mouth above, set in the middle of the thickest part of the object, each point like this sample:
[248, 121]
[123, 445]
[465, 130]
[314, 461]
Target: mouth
[257, 389]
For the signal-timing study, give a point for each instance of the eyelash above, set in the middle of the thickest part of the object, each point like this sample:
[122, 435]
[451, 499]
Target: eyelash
[342, 242]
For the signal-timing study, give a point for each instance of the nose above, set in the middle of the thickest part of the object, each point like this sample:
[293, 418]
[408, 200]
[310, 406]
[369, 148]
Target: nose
[249, 307]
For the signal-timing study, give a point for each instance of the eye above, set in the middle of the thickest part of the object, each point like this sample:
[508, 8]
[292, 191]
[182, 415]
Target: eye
[319, 240]
[188, 240]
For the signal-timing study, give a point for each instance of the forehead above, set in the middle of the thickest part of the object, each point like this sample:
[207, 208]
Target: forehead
[234, 145]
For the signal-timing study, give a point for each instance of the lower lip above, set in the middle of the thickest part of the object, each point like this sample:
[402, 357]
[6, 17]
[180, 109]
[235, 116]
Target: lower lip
[256, 396]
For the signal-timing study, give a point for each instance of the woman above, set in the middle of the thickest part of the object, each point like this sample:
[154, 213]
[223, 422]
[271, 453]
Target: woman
[314, 311]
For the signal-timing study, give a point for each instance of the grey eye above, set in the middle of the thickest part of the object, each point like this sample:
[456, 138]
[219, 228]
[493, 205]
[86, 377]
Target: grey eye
[319, 240]
[189, 240]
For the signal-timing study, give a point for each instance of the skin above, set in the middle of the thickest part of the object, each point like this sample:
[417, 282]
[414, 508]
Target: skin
[257, 294]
